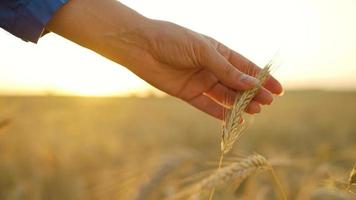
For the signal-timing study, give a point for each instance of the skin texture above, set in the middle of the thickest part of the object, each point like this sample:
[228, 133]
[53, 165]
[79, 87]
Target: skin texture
[176, 60]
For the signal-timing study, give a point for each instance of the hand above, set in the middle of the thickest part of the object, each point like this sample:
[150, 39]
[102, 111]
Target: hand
[196, 68]
[178, 61]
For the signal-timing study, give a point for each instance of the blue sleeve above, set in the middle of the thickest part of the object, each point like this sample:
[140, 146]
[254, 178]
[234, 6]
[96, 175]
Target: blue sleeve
[27, 19]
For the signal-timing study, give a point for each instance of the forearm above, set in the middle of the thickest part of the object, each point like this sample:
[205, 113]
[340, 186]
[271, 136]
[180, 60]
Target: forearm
[106, 27]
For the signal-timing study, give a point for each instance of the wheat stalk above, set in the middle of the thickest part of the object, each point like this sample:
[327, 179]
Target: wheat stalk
[233, 127]
[237, 171]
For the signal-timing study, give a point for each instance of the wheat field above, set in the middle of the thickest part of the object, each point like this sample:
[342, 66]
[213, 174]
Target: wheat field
[152, 148]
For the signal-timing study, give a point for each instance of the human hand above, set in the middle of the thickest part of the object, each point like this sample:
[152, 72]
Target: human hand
[178, 61]
[197, 69]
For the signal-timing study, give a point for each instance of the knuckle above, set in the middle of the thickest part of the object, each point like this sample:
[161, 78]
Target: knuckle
[228, 70]
[224, 51]
[201, 51]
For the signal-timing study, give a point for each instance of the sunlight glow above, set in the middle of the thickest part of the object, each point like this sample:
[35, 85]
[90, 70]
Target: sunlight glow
[316, 39]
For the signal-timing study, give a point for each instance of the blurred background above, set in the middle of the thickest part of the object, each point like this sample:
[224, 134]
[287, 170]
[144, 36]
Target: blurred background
[74, 125]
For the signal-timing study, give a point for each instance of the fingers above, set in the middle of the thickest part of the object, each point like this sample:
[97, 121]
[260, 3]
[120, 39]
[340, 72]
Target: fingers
[264, 97]
[226, 72]
[222, 94]
[253, 108]
[273, 86]
[236, 72]
[248, 67]
[227, 96]
[207, 105]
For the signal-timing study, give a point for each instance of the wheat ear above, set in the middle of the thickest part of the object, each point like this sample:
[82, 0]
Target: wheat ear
[237, 171]
[233, 128]
[352, 178]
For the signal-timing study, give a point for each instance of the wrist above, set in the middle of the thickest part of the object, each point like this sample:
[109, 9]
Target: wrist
[136, 38]
[125, 39]
[137, 33]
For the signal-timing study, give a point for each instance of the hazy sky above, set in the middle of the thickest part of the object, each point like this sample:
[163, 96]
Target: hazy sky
[316, 40]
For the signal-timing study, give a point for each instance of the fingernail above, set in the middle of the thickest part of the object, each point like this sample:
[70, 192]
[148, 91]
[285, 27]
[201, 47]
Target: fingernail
[282, 93]
[249, 80]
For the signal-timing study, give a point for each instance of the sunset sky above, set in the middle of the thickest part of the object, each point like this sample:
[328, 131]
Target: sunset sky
[316, 40]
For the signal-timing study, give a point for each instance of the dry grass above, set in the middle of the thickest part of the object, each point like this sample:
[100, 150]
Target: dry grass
[329, 193]
[164, 168]
[101, 148]
[4, 123]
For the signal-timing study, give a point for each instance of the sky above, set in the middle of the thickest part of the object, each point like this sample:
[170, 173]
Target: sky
[316, 41]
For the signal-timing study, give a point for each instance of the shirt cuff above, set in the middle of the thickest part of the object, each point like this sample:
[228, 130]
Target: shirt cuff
[31, 18]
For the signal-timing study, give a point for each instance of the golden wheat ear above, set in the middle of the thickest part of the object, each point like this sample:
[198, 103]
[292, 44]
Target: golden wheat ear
[352, 177]
[237, 171]
[233, 125]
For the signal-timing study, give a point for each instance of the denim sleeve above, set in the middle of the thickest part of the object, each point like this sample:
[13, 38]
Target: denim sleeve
[27, 19]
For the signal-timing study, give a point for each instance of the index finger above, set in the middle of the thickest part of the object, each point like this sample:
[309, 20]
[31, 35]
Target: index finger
[248, 67]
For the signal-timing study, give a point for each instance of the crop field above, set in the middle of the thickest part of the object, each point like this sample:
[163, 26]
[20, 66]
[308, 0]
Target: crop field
[56, 148]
